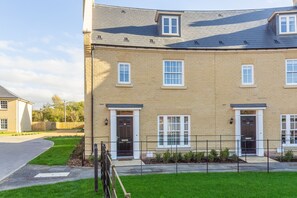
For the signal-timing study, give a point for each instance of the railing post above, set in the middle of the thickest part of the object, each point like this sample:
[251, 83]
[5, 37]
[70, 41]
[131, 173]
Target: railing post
[245, 150]
[220, 143]
[96, 167]
[141, 156]
[282, 154]
[113, 182]
[196, 145]
[267, 155]
[238, 155]
[176, 158]
[206, 156]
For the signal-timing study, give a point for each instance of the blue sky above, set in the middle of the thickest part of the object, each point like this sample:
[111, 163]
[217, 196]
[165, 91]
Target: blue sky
[41, 42]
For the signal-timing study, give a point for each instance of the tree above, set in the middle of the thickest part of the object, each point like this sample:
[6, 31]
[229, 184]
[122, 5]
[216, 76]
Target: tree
[55, 112]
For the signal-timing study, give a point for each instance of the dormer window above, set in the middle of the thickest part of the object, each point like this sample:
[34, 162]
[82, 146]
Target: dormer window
[170, 25]
[287, 24]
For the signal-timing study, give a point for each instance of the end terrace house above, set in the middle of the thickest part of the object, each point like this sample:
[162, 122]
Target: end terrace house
[177, 76]
[15, 112]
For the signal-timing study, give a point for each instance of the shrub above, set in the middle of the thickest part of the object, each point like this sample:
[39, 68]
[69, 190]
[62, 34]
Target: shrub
[289, 155]
[189, 156]
[224, 154]
[211, 158]
[234, 157]
[178, 157]
[199, 156]
[213, 155]
[167, 156]
[158, 157]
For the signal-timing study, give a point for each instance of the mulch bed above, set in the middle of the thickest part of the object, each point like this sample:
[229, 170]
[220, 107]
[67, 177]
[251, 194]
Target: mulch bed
[77, 156]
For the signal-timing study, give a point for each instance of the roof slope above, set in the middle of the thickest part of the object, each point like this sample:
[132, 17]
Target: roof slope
[4, 93]
[233, 29]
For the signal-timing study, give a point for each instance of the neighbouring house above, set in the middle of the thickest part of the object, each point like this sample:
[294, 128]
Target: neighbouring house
[175, 76]
[15, 112]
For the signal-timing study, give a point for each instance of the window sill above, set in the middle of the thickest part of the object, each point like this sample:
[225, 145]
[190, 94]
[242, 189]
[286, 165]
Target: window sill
[174, 87]
[124, 85]
[162, 148]
[290, 145]
[248, 86]
[290, 86]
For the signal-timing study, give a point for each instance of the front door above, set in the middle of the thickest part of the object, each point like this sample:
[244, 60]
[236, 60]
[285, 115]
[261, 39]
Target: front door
[248, 132]
[125, 136]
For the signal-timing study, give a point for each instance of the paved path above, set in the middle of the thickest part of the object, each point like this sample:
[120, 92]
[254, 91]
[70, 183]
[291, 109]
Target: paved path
[17, 151]
[26, 176]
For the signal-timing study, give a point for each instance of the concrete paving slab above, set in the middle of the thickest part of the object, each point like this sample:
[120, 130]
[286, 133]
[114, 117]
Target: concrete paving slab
[257, 159]
[51, 175]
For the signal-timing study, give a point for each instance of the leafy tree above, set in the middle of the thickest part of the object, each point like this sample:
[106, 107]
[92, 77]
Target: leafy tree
[55, 112]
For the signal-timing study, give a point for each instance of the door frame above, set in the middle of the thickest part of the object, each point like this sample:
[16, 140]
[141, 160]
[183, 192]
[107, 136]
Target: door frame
[113, 131]
[118, 135]
[259, 129]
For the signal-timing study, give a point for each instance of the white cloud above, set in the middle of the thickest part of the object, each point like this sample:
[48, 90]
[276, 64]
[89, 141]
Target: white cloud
[38, 79]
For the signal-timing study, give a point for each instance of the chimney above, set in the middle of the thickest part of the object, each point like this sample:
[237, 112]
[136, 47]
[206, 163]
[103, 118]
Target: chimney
[295, 3]
[87, 15]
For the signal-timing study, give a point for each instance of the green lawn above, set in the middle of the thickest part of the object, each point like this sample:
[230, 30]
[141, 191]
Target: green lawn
[59, 154]
[248, 184]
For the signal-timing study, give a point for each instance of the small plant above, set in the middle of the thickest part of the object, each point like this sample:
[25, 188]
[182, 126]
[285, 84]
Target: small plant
[289, 155]
[211, 158]
[167, 156]
[224, 154]
[234, 157]
[189, 156]
[213, 155]
[158, 157]
[177, 157]
[199, 156]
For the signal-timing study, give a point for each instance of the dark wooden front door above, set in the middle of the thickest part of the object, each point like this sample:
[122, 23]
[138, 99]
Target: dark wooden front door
[125, 136]
[248, 132]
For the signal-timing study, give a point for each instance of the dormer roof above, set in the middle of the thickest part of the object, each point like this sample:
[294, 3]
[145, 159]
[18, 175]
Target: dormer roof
[201, 30]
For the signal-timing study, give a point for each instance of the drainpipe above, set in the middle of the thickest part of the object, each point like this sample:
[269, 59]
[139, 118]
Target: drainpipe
[92, 97]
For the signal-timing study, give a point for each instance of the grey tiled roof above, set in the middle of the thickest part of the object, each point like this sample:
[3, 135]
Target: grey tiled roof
[4, 93]
[200, 29]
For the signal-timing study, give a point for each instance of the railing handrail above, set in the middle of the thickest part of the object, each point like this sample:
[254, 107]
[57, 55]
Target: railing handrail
[113, 167]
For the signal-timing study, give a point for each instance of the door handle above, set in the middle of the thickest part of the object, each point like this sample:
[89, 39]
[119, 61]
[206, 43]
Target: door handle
[248, 138]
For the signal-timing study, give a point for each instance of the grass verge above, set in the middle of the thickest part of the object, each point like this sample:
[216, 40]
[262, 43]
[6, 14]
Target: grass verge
[248, 184]
[59, 154]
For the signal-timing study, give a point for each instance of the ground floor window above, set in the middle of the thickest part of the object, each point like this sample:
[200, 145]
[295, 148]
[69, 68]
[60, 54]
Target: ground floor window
[3, 124]
[173, 130]
[289, 129]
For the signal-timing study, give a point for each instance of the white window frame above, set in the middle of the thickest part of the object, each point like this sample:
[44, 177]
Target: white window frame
[183, 74]
[287, 130]
[119, 74]
[242, 79]
[288, 24]
[287, 71]
[1, 104]
[170, 25]
[1, 124]
[182, 131]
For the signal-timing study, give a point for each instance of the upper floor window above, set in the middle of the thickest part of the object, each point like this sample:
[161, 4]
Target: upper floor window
[287, 24]
[291, 72]
[247, 74]
[170, 25]
[124, 73]
[173, 73]
[3, 104]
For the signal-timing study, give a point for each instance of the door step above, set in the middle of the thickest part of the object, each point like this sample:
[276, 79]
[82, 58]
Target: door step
[132, 162]
[256, 159]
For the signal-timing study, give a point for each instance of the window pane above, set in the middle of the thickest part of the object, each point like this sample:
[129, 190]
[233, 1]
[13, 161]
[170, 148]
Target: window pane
[166, 21]
[283, 24]
[292, 24]
[124, 73]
